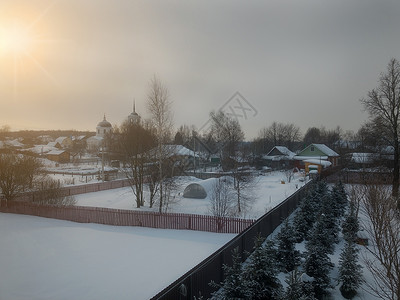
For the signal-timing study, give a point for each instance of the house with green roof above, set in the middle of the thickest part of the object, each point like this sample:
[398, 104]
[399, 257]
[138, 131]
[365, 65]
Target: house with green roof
[316, 156]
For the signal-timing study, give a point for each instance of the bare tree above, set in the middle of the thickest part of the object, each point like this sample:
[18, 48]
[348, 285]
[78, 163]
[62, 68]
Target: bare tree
[383, 227]
[313, 135]
[49, 192]
[159, 107]
[221, 200]
[356, 194]
[383, 106]
[170, 191]
[17, 173]
[243, 185]
[135, 141]
[289, 174]
[227, 133]
[280, 134]
[4, 131]
[183, 135]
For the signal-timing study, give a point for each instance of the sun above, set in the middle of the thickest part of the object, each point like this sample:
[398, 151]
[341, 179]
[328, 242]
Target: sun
[16, 40]
[23, 45]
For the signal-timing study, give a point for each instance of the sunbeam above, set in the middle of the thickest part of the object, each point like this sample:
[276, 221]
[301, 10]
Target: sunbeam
[20, 44]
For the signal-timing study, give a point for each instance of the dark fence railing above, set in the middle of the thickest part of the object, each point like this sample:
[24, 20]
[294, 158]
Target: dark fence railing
[361, 177]
[120, 217]
[195, 283]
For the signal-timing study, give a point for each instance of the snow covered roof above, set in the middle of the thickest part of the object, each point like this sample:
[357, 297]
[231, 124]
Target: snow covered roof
[11, 143]
[285, 153]
[364, 158]
[78, 138]
[53, 144]
[324, 148]
[175, 150]
[56, 152]
[39, 149]
[61, 139]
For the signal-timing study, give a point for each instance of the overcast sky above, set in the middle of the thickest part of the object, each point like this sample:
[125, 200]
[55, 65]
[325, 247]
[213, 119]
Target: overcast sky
[302, 62]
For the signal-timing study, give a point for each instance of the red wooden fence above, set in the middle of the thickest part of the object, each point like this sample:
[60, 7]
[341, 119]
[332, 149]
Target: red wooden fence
[119, 217]
[82, 189]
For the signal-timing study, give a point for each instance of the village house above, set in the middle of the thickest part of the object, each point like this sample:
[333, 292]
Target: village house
[60, 156]
[279, 157]
[316, 157]
[64, 141]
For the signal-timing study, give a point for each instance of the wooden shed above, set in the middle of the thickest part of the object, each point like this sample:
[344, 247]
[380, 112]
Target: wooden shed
[60, 156]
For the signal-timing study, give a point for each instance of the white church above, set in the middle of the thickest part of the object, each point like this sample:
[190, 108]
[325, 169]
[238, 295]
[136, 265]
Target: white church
[104, 128]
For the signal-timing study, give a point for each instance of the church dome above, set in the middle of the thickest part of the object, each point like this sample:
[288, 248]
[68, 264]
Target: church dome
[104, 123]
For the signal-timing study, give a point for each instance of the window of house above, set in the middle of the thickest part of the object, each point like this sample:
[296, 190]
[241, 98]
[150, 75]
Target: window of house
[312, 148]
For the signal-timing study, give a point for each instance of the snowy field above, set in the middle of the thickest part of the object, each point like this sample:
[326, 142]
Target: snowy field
[266, 192]
[45, 259]
[51, 259]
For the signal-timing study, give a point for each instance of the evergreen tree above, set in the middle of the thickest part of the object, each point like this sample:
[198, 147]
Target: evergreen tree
[320, 190]
[350, 274]
[304, 219]
[339, 200]
[308, 211]
[351, 225]
[297, 289]
[317, 263]
[287, 255]
[343, 200]
[234, 286]
[260, 272]
[329, 219]
[321, 236]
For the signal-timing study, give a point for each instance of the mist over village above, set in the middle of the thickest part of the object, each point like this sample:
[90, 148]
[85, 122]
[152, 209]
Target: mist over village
[199, 150]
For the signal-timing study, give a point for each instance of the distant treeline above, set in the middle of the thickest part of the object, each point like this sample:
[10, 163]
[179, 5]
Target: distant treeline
[37, 133]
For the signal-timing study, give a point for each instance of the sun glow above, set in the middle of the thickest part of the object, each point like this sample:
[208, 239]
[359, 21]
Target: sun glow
[16, 40]
[24, 43]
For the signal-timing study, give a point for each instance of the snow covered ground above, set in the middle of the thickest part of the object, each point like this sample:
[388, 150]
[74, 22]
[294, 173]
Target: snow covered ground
[52, 259]
[56, 260]
[267, 192]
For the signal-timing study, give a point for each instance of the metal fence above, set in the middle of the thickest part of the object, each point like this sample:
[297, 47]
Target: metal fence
[361, 177]
[195, 283]
[120, 217]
